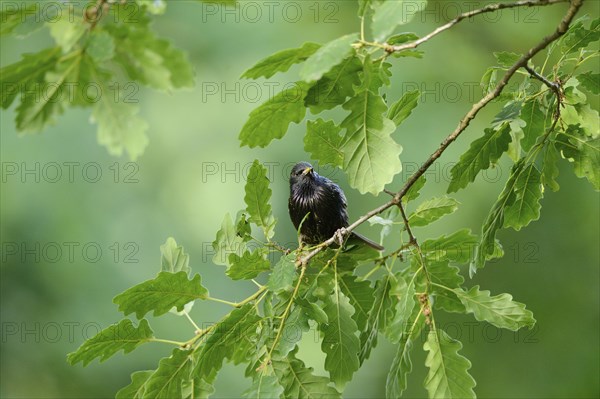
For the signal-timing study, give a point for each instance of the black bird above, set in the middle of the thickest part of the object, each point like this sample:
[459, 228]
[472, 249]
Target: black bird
[323, 201]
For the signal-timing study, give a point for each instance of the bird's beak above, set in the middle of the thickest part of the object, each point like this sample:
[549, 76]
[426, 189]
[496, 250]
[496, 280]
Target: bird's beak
[307, 171]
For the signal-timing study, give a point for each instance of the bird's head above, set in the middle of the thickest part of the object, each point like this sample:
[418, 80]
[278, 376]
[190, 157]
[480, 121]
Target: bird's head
[302, 172]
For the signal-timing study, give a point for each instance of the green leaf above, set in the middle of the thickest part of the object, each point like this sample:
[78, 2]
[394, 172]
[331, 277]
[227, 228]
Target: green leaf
[119, 126]
[26, 74]
[323, 142]
[200, 387]
[264, 386]
[148, 59]
[335, 86]
[156, 7]
[590, 81]
[327, 57]
[402, 108]
[401, 367]
[579, 37]
[167, 381]
[582, 115]
[66, 31]
[509, 113]
[489, 80]
[122, 336]
[365, 5]
[299, 381]
[270, 120]
[248, 266]
[135, 390]
[47, 98]
[415, 190]
[458, 247]
[160, 294]
[495, 220]
[379, 316]
[481, 154]
[390, 14]
[295, 325]
[258, 195]
[284, 273]
[361, 297]
[100, 46]
[507, 59]
[232, 338]
[173, 258]
[582, 151]
[13, 15]
[401, 38]
[442, 273]
[228, 242]
[432, 210]
[448, 375]
[404, 295]
[281, 61]
[535, 119]
[370, 154]
[549, 167]
[340, 342]
[499, 310]
[526, 206]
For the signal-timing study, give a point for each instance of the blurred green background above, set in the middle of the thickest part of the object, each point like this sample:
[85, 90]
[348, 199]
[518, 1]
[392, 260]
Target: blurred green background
[193, 171]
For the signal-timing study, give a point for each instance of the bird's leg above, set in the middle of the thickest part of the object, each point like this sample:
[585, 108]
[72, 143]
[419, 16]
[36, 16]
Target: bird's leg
[340, 235]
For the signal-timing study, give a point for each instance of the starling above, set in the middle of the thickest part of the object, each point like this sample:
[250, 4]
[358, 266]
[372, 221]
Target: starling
[324, 202]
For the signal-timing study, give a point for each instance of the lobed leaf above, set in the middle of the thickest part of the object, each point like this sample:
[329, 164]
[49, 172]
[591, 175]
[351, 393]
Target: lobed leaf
[404, 295]
[583, 151]
[323, 141]
[137, 387]
[281, 61]
[248, 266]
[389, 14]
[335, 86]
[327, 57]
[528, 193]
[270, 120]
[299, 381]
[432, 210]
[173, 258]
[122, 336]
[499, 310]
[481, 154]
[284, 273]
[258, 195]
[535, 123]
[170, 376]
[402, 108]
[232, 338]
[448, 375]
[160, 294]
[340, 342]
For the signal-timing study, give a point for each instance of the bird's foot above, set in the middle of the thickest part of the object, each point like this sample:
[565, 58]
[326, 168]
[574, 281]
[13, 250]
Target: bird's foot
[340, 236]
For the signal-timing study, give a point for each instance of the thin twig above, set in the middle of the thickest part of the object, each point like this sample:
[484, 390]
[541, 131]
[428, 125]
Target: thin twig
[554, 86]
[469, 14]
[411, 237]
[464, 123]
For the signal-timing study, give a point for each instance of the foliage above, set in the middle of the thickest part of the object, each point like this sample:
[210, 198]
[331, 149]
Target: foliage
[543, 121]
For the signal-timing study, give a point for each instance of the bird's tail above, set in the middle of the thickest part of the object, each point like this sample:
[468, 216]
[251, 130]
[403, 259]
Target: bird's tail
[370, 243]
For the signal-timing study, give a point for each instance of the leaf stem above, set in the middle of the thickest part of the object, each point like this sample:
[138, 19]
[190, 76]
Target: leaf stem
[243, 302]
[286, 313]
[187, 315]
[166, 341]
